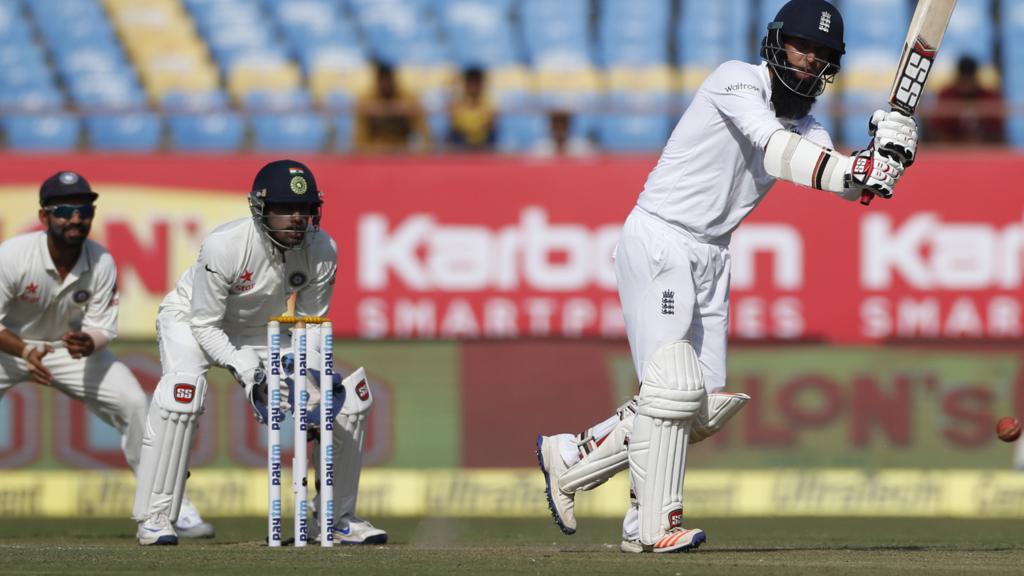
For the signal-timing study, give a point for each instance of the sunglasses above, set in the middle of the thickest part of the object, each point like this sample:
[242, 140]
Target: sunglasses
[66, 211]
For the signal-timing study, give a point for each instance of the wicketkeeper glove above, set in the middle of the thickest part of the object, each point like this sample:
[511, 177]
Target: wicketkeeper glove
[247, 369]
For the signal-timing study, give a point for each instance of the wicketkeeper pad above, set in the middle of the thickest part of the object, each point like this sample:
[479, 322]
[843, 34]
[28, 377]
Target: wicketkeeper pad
[349, 439]
[671, 395]
[167, 444]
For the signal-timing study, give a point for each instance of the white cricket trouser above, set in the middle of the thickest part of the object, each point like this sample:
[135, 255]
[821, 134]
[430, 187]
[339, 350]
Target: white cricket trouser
[106, 386]
[673, 288]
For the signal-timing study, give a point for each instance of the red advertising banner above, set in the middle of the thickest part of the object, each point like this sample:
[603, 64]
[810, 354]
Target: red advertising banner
[495, 247]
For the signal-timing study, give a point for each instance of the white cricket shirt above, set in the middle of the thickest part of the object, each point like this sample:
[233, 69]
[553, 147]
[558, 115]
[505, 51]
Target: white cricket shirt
[38, 306]
[241, 279]
[711, 173]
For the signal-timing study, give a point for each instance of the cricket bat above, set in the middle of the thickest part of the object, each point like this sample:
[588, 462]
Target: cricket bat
[927, 27]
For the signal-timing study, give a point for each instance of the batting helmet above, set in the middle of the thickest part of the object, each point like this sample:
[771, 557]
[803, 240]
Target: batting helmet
[815, 20]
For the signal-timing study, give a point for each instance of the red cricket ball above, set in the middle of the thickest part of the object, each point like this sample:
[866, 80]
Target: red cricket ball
[1008, 429]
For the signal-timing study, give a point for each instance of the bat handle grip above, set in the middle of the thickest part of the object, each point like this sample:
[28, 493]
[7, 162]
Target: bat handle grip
[866, 196]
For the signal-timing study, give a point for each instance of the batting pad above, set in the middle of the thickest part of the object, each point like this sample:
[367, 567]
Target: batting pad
[716, 411]
[672, 393]
[606, 460]
[167, 445]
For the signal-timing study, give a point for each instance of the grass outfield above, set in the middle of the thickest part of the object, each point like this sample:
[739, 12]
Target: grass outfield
[500, 546]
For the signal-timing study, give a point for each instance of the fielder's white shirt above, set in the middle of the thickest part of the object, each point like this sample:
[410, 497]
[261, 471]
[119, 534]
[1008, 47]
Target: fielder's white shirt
[241, 279]
[38, 306]
[711, 173]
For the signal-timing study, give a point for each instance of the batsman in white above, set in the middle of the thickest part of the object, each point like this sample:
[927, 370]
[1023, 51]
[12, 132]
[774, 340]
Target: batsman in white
[58, 312]
[217, 314]
[748, 125]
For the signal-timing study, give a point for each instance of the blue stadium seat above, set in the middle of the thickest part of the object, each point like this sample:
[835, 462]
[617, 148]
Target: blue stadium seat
[1012, 34]
[43, 98]
[21, 77]
[344, 130]
[289, 132]
[14, 29]
[44, 132]
[106, 91]
[400, 31]
[638, 122]
[634, 32]
[209, 132]
[276, 100]
[125, 132]
[971, 32]
[557, 34]
[520, 131]
[479, 32]
[207, 101]
[709, 33]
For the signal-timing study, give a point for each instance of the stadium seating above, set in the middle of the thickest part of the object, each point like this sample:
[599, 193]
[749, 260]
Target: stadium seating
[709, 33]
[124, 132]
[625, 69]
[873, 46]
[222, 131]
[1013, 75]
[52, 132]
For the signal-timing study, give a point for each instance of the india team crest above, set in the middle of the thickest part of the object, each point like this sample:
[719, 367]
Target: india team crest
[299, 185]
[81, 296]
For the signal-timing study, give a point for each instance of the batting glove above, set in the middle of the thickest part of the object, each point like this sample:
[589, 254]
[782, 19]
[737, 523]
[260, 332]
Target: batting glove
[895, 136]
[870, 170]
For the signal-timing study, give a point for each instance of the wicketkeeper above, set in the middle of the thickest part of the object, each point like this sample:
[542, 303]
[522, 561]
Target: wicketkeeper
[217, 315]
[748, 125]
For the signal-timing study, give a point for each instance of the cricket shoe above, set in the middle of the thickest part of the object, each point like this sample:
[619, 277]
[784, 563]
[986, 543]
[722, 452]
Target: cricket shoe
[157, 531]
[190, 524]
[355, 530]
[562, 505]
[677, 540]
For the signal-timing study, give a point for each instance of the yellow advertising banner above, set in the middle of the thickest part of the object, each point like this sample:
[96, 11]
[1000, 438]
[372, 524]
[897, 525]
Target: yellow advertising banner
[519, 493]
[155, 233]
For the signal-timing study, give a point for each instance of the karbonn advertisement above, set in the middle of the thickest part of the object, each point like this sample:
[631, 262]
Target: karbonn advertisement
[499, 248]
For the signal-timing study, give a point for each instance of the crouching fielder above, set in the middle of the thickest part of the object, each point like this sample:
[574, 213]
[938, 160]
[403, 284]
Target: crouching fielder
[747, 127]
[217, 315]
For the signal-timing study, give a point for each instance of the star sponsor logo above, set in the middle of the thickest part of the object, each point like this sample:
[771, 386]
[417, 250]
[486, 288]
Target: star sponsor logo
[244, 283]
[30, 293]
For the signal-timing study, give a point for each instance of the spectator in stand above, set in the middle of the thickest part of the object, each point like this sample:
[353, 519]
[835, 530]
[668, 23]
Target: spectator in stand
[388, 119]
[966, 111]
[472, 114]
[561, 140]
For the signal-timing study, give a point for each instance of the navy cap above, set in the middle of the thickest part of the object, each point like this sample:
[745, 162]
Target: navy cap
[64, 184]
[286, 182]
[815, 20]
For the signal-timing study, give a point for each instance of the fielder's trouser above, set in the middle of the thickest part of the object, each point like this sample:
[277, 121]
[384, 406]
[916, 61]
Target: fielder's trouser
[106, 386]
